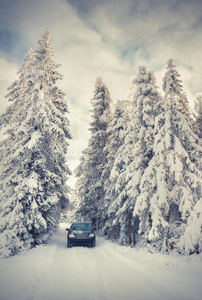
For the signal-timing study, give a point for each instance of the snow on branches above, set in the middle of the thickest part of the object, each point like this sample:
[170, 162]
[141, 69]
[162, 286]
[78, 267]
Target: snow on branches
[150, 182]
[33, 160]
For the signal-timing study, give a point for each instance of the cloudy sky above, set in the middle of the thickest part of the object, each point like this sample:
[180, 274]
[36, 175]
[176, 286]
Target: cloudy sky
[107, 38]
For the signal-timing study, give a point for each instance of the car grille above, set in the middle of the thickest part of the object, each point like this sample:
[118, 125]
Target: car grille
[82, 236]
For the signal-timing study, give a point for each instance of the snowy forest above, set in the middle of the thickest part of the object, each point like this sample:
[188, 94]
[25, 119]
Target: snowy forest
[139, 179]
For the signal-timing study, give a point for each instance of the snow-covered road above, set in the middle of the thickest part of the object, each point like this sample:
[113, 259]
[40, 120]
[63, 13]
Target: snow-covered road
[108, 271]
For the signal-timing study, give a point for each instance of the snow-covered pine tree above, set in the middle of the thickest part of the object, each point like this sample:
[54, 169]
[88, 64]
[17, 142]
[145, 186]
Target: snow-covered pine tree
[116, 132]
[91, 195]
[198, 116]
[12, 230]
[81, 187]
[183, 107]
[171, 185]
[34, 166]
[172, 85]
[191, 240]
[18, 90]
[133, 156]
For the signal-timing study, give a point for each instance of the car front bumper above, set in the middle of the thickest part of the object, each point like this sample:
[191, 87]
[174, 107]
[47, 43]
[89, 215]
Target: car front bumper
[81, 241]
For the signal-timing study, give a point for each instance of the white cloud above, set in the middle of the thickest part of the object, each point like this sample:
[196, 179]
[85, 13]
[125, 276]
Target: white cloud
[8, 70]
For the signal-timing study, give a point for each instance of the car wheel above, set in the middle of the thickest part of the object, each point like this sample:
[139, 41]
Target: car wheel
[93, 244]
[68, 244]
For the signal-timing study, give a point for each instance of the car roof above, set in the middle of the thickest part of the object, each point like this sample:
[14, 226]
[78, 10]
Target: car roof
[81, 223]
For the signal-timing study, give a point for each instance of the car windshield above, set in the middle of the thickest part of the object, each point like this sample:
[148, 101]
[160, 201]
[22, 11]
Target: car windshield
[80, 226]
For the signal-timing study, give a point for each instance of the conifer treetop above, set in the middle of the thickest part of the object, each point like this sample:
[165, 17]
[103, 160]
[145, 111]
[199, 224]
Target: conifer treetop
[171, 84]
[44, 55]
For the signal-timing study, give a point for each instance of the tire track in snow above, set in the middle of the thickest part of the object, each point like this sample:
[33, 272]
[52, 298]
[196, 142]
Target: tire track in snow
[97, 281]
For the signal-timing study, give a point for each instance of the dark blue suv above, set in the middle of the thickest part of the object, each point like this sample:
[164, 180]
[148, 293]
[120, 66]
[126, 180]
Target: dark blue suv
[80, 234]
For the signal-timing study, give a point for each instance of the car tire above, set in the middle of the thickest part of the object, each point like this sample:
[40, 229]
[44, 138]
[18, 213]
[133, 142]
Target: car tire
[68, 244]
[93, 244]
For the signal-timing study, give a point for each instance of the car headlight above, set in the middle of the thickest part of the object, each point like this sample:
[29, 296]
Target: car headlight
[91, 235]
[72, 235]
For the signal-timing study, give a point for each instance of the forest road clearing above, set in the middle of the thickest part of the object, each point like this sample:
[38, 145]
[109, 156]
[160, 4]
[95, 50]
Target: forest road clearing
[106, 272]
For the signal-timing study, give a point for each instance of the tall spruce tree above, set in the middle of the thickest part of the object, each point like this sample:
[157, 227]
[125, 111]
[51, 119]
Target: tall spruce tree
[18, 92]
[190, 241]
[133, 156]
[183, 107]
[172, 85]
[34, 170]
[91, 196]
[171, 185]
[174, 95]
[116, 131]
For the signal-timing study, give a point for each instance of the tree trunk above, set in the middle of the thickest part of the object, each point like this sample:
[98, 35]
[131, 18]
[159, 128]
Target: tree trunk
[167, 231]
[129, 228]
[133, 231]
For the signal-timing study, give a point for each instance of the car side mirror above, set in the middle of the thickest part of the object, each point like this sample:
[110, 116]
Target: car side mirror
[67, 229]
